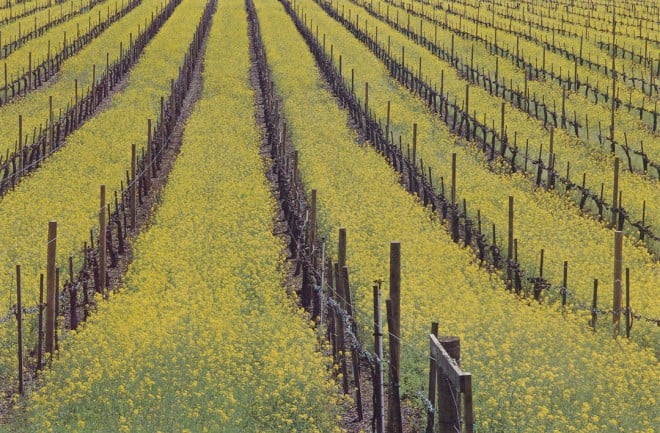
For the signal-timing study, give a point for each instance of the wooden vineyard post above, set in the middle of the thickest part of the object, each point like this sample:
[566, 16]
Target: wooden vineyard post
[102, 244]
[355, 360]
[617, 292]
[50, 285]
[19, 320]
[379, 395]
[430, 421]
[394, 322]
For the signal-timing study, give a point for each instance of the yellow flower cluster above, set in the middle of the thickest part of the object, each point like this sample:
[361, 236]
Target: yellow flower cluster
[597, 165]
[8, 13]
[35, 106]
[549, 91]
[202, 338]
[543, 220]
[531, 50]
[66, 188]
[79, 16]
[533, 368]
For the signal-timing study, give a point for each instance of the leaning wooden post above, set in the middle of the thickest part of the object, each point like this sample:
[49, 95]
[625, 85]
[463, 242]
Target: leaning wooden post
[379, 394]
[616, 301]
[448, 409]
[394, 327]
[50, 285]
[19, 319]
[430, 421]
[102, 244]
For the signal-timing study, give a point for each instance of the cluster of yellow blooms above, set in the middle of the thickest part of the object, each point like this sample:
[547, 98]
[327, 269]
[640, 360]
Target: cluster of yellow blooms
[7, 13]
[35, 106]
[543, 220]
[66, 187]
[598, 166]
[202, 337]
[534, 368]
[74, 16]
[532, 51]
[549, 90]
[591, 21]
